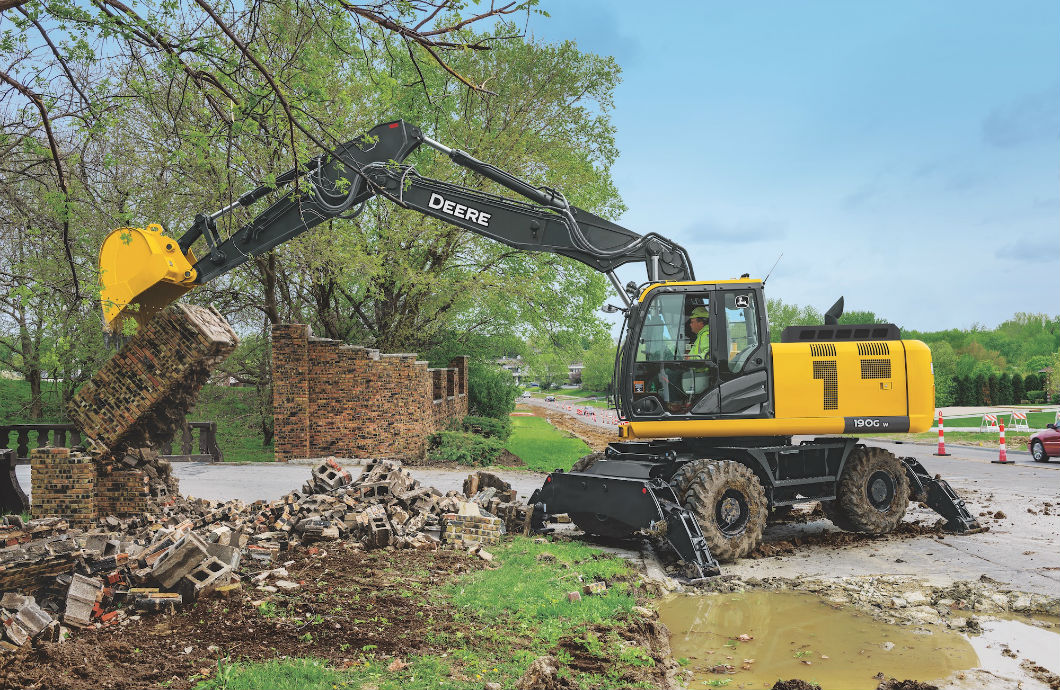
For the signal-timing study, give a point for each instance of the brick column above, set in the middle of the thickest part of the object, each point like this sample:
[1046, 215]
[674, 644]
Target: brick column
[460, 364]
[64, 485]
[290, 391]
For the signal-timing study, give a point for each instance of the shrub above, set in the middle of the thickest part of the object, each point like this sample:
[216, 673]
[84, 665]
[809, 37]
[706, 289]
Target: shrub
[487, 426]
[491, 390]
[464, 448]
[1036, 397]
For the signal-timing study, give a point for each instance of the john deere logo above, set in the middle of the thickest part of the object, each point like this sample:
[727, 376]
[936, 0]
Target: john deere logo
[438, 201]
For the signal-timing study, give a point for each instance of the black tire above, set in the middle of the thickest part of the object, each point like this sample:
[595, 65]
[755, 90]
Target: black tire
[729, 503]
[1038, 451]
[586, 462]
[872, 494]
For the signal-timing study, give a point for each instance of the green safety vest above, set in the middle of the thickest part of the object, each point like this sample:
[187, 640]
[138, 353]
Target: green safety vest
[701, 348]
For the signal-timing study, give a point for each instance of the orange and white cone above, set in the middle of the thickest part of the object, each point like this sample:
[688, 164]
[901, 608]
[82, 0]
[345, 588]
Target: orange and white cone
[1002, 458]
[942, 438]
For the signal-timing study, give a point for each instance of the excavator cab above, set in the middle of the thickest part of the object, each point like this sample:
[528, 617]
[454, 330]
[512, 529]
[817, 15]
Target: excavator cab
[667, 379]
[141, 270]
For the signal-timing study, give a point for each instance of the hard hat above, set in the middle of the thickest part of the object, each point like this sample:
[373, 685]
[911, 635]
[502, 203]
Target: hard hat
[700, 313]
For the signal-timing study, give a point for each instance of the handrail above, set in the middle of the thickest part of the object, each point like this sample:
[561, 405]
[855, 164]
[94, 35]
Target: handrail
[61, 434]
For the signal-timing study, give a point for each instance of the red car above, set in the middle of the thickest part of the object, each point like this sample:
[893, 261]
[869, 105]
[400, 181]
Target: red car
[1045, 444]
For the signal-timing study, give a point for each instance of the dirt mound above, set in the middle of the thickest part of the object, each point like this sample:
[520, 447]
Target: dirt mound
[894, 684]
[509, 459]
[795, 684]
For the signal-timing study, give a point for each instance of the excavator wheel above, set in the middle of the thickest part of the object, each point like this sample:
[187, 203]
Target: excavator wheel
[729, 503]
[872, 493]
[592, 523]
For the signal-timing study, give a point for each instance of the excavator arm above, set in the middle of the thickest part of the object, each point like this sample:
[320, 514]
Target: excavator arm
[143, 270]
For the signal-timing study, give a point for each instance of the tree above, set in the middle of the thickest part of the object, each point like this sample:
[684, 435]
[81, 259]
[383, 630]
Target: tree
[945, 364]
[965, 396]
[861, 317]
[781, 315]
[1004, 390]
[599, 361]
[991, 390]
[980, 390]
[1018, 391]
[491, 390]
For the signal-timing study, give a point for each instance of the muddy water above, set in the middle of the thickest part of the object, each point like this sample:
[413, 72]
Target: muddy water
[801, 636]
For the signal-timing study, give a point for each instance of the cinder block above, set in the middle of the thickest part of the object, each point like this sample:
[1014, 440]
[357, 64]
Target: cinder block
[181, 559]
[81, 599]
[210, 573]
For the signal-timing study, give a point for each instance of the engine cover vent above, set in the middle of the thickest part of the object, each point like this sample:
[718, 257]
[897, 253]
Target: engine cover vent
[873, 349]
[822, 350]
[875, 368]
[825, 369]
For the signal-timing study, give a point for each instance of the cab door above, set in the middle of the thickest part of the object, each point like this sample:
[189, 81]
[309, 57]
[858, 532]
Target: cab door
[740, 346]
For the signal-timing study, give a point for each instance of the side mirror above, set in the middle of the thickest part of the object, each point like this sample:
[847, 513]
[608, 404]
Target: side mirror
[1051, 426]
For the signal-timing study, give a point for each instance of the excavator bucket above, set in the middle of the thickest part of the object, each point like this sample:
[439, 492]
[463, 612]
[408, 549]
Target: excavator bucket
[141, 271]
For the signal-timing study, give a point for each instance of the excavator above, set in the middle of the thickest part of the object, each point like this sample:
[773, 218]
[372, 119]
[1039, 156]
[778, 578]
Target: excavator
[707, 445]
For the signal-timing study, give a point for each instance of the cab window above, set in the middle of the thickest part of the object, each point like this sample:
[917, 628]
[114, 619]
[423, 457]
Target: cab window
[741, 328]
[670, 372]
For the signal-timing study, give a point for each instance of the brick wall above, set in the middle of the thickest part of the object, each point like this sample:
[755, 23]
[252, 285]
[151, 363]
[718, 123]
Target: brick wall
[71, 485]
[335, 399]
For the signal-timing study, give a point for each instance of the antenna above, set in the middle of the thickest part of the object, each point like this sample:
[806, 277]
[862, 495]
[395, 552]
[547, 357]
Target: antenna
[774, 266]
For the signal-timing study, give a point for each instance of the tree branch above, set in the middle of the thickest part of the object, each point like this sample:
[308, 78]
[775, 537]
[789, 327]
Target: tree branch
[46, 121]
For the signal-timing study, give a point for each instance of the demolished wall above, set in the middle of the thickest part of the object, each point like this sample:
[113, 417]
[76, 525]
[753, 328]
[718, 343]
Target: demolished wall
[335, 399]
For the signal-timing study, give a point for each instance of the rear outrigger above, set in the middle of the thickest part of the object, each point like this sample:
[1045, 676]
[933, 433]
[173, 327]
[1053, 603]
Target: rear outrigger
[706, 448]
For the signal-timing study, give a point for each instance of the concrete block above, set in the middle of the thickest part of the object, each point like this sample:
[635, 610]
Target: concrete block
[181, 559]
[229, 555]
[211, 573]
[81, 599]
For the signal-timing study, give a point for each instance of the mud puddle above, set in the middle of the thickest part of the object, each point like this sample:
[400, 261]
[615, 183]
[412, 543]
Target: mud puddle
[750, 639]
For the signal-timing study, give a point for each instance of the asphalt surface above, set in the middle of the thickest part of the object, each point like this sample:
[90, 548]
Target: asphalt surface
[1020, 548]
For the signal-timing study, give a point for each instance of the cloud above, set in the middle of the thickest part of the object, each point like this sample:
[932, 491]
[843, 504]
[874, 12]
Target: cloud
[1035, 117]
[715, 232]
[1037, 250]
[860, 196]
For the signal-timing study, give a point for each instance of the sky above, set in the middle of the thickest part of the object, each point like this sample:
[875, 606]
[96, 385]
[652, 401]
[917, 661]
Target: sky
[905, 155]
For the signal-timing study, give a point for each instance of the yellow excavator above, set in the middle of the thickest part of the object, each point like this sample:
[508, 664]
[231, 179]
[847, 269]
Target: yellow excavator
[705, 448]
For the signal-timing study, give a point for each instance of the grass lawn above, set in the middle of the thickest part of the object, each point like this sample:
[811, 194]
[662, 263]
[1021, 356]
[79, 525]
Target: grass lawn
[543, 447]
[15, 399]
[1036, 420]
[1013, 440]
[238, 425]
[507, 616]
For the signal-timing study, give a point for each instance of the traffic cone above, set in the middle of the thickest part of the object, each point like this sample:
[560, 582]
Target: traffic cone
[942, 438]
[1002, 458]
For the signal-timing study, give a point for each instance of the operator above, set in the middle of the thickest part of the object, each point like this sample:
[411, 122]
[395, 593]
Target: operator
[700, 323]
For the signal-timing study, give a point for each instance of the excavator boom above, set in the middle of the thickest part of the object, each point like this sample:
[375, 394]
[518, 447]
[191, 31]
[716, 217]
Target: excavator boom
[143, 270]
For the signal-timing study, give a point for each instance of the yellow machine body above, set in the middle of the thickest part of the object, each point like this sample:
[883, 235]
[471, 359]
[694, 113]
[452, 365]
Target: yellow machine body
[141, 270]
[867, 387]
[826, 387]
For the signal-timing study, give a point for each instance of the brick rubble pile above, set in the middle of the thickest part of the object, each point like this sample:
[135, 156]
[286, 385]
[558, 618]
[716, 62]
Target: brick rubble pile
[55, 577]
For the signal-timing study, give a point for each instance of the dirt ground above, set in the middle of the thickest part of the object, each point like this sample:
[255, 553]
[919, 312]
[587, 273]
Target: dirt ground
[387, 601]
[596, 437]
[348, 599]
